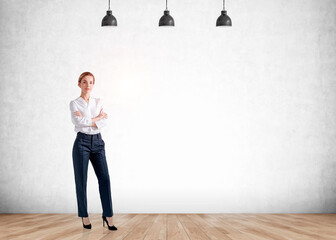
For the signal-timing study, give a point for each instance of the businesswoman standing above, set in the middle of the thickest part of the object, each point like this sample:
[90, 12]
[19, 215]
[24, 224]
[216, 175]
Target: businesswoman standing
[88, 117]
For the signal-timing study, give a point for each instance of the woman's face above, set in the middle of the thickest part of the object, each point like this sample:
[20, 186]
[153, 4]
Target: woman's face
[86, 84]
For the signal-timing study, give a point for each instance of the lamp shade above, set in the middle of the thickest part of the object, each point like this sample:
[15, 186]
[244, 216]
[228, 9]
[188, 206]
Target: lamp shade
[166, 20]
[109, 20]
[224, 20]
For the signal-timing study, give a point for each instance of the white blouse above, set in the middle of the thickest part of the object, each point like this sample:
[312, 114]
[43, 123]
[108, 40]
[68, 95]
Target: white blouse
[88, 110]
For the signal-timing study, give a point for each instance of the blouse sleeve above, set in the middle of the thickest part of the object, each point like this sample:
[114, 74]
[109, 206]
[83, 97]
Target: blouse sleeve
[76, 120]
[102, 122]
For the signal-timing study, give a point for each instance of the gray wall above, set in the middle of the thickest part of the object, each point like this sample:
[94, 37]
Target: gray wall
[201, 119]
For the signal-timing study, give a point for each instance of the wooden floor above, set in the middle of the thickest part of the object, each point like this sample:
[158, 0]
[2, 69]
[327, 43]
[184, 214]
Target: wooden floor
[171, 226]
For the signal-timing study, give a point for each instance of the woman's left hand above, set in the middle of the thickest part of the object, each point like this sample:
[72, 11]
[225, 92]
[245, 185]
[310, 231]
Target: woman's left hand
[78, 114]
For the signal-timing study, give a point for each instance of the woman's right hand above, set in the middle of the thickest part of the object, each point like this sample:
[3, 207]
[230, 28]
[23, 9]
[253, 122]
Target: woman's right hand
[102, 114]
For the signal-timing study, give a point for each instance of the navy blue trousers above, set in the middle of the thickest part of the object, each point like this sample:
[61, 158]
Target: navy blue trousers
[91, 147]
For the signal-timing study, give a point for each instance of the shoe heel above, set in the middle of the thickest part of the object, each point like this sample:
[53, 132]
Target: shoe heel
[104, 219]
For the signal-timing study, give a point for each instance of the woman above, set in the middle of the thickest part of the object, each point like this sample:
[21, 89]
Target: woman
[88, 117]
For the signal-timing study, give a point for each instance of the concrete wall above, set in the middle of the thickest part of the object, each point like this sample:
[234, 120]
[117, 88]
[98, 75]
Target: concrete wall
[201, 119]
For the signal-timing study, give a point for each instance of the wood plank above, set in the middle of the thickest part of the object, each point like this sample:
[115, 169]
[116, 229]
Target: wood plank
[193, 231]
[140, 230]
[158, 231]
[223, 227]
[171, 227]
[175, 230]
[210, 230]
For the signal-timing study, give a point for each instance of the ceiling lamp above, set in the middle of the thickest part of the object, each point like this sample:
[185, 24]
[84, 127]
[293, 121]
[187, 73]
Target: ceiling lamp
[109, 20]
[166, 20]
[224, 20]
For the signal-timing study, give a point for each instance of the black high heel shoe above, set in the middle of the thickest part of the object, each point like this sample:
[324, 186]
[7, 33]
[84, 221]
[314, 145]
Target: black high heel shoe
[113, 228]
[86, 226]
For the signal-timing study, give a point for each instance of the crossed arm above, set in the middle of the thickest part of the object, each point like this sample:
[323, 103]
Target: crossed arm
[79, 120]
[102, 115]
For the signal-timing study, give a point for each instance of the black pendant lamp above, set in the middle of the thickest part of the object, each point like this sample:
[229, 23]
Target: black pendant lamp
[109, 20]
[166, 20]
[224, 20]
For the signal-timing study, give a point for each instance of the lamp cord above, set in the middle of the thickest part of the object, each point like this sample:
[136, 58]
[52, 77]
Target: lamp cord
[109, 5]
[223, 4]
[166, 5]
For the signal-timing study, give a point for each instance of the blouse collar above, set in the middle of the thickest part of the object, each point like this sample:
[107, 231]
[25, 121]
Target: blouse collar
[82, 99]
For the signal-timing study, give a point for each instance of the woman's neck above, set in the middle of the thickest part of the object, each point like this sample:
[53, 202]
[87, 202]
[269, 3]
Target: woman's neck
[85, 96]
